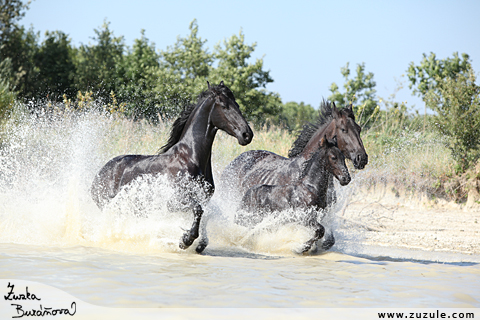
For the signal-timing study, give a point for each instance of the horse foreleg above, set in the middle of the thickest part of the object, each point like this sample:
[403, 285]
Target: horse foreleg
[328, 241]
[190, 236]
[319, 232]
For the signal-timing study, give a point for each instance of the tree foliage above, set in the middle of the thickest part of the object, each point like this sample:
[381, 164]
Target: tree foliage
[359, 91]
[97, 64]
[293, 115]
[426, 76]
[247, 80]
[456, 102]
[56, 69]
[150, 84]
[11, 11]
[186, 67]
[136, 79]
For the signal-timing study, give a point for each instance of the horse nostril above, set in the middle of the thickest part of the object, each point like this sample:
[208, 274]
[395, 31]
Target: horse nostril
[358, 158]
[346, 180]
[246, 136]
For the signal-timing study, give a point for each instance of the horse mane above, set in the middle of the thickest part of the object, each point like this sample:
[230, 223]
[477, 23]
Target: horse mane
[321, 152]
[180, 122]
[309, 129]
[308, 164]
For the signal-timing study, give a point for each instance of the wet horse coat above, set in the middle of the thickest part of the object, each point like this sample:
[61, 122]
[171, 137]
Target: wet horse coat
[187, 155]
[308, 193]
[260, 167]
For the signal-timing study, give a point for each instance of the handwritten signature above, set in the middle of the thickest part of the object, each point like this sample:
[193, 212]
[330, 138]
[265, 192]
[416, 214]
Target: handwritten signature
[39, 312]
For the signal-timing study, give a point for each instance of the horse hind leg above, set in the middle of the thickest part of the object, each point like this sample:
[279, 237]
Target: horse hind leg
[192, 234]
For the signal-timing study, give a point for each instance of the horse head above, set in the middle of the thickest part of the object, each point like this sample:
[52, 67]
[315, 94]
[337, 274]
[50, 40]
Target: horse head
[226, 115]
[335, 160]
[347, 133]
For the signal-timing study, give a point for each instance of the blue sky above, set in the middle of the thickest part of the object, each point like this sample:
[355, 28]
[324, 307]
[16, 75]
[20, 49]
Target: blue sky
[303, 43]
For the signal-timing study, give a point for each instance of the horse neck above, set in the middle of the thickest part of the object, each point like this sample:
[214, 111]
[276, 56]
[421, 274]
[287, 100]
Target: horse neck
[317, 174]
[314, 142]
[199, 133]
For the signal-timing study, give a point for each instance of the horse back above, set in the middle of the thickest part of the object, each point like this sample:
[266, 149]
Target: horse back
[108, 180]
[272, 198]
[257, 167]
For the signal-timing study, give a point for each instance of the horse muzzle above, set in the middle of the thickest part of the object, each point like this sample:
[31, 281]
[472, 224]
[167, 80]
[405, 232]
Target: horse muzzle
[360, 161]
[345, 179]
[245, 138]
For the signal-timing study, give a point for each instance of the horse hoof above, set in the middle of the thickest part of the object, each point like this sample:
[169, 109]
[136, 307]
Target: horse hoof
[328, 242]
[303, 248]
[186, 241]
[202, 244]
[200, 247]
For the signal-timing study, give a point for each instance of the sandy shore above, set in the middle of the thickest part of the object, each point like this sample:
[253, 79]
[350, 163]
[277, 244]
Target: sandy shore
[412, 223]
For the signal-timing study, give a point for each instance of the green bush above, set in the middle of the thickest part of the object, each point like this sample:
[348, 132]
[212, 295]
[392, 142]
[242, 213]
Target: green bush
[7, 99]
[456, 103]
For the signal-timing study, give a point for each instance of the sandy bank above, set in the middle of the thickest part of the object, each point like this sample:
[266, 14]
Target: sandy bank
[390, 218]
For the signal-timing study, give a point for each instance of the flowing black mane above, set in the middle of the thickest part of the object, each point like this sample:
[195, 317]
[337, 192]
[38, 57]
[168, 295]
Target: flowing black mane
[179, 124]
[324, 116]
[309, 129]
[177, 128]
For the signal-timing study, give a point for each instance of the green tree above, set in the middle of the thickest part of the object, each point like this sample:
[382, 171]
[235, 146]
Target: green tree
[183, 72]
[456, 102]
[7, 95]
[11, 11]
[360, 91]
[186, 67]
[294, 115]
[21, 47]
[136, 87]
[18, 47]
[96, 64]
[247, 80]
[54, 61]
[425, 77]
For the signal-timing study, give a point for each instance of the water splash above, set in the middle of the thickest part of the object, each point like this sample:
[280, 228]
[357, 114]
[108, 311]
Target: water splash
[47, 164]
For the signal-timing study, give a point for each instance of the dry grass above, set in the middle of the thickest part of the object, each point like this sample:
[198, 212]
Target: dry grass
[411, 158]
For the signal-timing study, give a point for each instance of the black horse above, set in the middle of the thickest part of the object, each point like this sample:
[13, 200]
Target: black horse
[309, 192]
[186, 156]
[257, 167]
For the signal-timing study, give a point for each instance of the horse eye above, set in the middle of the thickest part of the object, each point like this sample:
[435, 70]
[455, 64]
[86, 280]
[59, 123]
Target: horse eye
[343, 130]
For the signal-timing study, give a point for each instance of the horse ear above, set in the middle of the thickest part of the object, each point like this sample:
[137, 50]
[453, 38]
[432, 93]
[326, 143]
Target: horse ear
[335, 111]
[349, 107]
[221, 83]
[208, 83]
[323, 141]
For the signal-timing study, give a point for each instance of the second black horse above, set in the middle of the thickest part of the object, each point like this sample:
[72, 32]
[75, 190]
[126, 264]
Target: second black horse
[307, 193]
